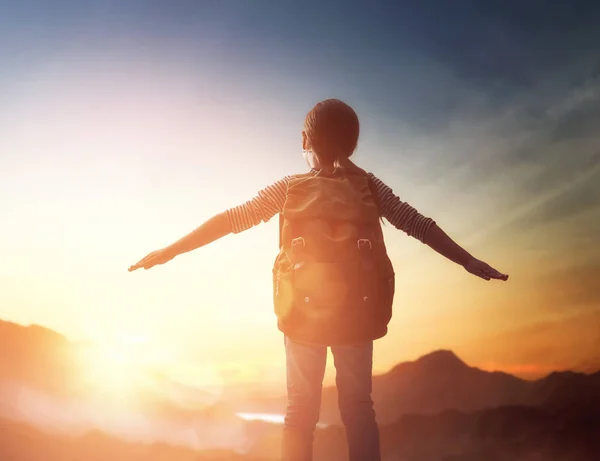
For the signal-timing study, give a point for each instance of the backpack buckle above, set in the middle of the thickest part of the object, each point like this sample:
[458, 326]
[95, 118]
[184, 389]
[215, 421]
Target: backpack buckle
[363, 243]
[298, 242]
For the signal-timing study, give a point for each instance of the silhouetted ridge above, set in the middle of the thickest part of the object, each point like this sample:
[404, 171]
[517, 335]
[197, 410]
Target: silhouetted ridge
[562, 376]
[442, 360]
[34, 336]
[35, 356]
[437, 361]
[39, 358]
[561, 390]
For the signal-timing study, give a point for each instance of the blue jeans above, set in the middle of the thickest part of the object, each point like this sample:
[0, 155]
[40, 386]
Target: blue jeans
[305, 372]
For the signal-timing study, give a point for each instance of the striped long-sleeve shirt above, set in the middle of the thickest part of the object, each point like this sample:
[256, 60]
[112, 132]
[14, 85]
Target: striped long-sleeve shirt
[270, 201]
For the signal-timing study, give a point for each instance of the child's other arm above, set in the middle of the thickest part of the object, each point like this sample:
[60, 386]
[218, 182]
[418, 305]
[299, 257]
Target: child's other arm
[261, 208]
[441, 242]
[406, 218]
[438, 240]
[216, 227]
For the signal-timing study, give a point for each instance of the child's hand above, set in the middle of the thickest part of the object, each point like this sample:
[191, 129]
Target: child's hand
[483, 270]
[153, 259]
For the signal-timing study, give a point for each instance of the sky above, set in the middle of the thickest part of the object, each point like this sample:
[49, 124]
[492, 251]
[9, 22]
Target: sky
[125, 124]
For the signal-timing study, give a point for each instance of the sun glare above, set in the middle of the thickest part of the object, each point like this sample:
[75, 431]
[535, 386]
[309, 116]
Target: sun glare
[131, 371]
[117, 367]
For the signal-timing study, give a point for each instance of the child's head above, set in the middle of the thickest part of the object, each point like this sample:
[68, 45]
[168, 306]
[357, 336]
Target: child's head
[330, 133]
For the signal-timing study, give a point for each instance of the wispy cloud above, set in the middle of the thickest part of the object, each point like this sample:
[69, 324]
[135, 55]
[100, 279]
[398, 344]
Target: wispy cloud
[544, 346]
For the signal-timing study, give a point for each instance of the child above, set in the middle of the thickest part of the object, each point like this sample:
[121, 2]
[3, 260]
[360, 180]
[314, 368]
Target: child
[333, 281]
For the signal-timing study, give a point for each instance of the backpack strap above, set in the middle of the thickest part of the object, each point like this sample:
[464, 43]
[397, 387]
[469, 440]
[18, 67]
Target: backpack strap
[374, 193]
[281, 219]
[353, 168]
[280, 230]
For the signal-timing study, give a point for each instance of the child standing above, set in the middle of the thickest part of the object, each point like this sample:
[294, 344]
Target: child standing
[333, 283]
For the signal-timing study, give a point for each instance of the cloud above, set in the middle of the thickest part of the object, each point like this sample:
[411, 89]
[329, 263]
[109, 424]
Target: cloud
[570, 197]
[570, 286]
[571, 343]
[542, 170]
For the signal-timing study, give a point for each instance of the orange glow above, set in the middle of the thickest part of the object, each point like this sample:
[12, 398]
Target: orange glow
[519, 369]
[116, 368]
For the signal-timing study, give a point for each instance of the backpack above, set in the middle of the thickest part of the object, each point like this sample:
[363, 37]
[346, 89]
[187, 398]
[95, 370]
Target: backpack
[333, 282]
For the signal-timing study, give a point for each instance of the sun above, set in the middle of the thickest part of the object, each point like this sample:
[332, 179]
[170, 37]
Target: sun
[117, 368]
[132, 372]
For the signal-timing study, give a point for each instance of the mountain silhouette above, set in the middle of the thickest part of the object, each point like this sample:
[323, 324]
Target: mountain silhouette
[35, 356]
[434, 408]
[441, 381]
[567, 389]
[41, 372]
[40, 358]
[435, 382]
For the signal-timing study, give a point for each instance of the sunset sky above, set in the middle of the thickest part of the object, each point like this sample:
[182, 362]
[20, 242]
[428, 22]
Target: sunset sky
[125, 124]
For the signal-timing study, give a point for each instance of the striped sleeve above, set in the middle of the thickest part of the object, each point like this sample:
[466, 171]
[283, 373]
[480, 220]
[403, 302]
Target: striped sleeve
[400, 214]
[267, 203]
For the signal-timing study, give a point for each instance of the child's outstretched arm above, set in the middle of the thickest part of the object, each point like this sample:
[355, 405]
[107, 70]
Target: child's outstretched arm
[216, 227]
[438, 240]
[261, 208]
[406, 218]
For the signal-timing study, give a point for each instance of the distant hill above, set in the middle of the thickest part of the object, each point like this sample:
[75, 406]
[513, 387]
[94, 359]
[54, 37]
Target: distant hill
[43, 359]
[41, 382]
[566, 390]
[431, 409]
[35, 355]
[441, 381]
